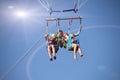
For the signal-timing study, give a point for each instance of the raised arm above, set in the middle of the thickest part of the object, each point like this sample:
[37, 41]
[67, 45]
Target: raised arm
[46, 37]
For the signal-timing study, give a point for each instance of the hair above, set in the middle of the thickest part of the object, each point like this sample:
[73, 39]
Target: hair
[66, 33]
[60, 31]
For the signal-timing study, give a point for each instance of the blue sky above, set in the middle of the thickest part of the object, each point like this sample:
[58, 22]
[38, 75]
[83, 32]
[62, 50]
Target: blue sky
[99, 41]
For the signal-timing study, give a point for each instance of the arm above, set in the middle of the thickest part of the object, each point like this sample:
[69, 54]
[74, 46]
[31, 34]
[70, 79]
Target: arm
[46, 37]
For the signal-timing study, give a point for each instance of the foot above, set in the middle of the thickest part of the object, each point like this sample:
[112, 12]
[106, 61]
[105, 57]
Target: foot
[75, 57]
[55, 57]
[51, 59]
[64, 46]
[81, 55]
[61, 46]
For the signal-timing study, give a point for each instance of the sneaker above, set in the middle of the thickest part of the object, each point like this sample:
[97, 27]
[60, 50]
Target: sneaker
[51, 59]
[81, 55]
[54, 57]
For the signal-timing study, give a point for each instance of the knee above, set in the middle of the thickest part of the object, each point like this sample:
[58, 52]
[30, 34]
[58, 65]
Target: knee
[51, 46]
[75, 45]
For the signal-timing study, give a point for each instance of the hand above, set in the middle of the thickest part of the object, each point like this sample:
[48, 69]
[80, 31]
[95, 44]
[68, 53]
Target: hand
[46, 35]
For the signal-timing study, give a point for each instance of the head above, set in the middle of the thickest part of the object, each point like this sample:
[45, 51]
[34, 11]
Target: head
[60, 33]
[53, 36]
[71, 35]
[65, 34]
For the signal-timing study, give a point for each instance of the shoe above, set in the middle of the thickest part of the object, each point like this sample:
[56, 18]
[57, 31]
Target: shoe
[64, 46]
[81, 55]
[51, 59]
[54, 57]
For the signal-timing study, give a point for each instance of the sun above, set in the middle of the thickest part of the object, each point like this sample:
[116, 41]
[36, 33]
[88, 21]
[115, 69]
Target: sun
[21, 14]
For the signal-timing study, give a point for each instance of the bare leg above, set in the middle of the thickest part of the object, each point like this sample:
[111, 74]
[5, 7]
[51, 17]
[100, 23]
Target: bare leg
[80, 51]
[50, 52]
[54, 53]
[75, 48]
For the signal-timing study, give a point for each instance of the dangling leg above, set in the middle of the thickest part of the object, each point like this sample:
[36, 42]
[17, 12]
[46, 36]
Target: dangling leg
[54, 52]
[75, 48]
[80, 51]
[50, 52]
